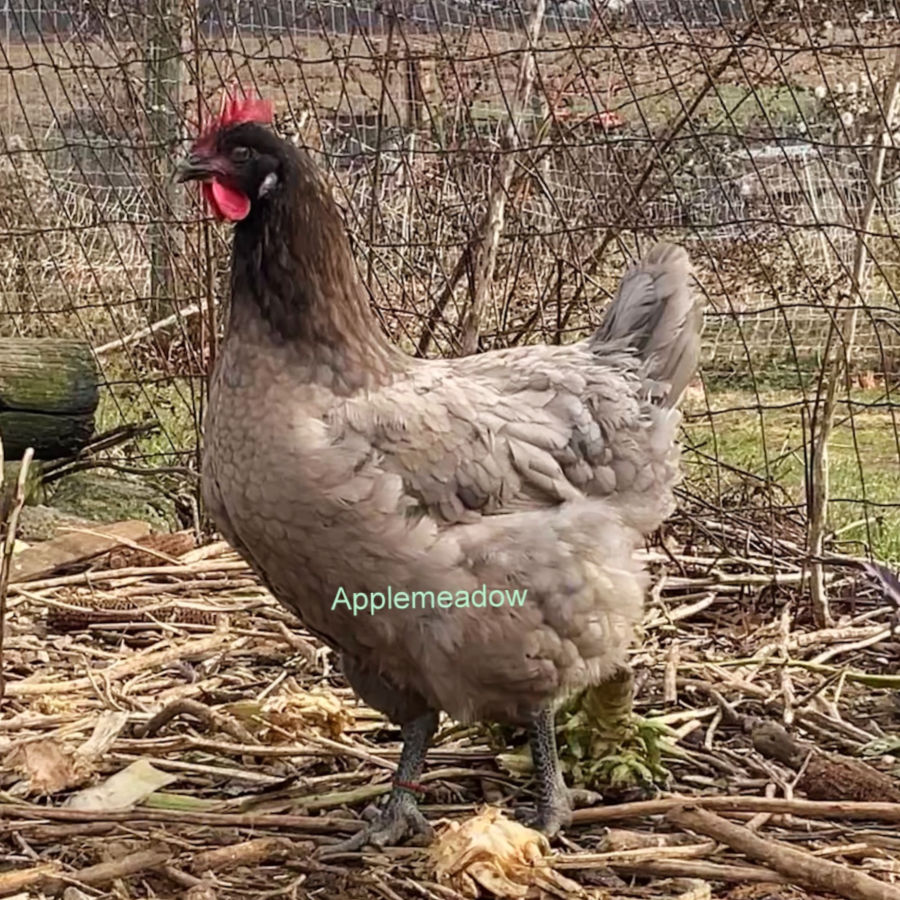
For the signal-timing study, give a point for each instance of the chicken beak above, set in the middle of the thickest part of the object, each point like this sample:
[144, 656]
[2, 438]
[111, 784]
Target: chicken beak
[193, 168]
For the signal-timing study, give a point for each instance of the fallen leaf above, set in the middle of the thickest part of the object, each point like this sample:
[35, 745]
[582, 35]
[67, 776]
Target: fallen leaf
[517, 762]
[294, 711]
[107, 729]
[47, 767]
[692, 889]
[489, 854]
[122, 790]
[52, 704]
[74, 893]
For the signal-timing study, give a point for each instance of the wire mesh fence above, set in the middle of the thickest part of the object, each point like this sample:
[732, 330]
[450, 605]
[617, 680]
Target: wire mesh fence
[759, 134]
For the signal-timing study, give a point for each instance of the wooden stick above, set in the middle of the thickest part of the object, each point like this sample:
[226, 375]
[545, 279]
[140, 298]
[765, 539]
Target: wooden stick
[155, 660]
[46, 834]
[9, 542]
[312, 824]
[813, 809]
[635, 855]
[486, 257]
[17, 879]
[838, 366]
[246, 853]
[185, 707]
[692, 868]
[147, 330]
[105, 872]
[800, 867]
[114, 576]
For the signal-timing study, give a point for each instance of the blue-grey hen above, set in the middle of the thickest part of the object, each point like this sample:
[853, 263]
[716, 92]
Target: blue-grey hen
[335, 461]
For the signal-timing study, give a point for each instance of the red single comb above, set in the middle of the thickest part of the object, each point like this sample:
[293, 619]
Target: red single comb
[237, 108]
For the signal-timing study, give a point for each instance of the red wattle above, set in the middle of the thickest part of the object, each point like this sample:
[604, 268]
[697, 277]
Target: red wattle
[226, 202]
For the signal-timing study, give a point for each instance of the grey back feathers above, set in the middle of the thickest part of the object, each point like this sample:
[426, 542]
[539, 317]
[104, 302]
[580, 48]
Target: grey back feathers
[657, 315]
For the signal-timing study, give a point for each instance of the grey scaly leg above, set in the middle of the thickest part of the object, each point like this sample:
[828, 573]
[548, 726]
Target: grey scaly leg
[400, 818]
[554, 809]
[554, 800]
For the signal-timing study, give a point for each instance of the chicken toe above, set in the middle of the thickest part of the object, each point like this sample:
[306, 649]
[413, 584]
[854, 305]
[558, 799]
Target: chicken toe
[399, 820]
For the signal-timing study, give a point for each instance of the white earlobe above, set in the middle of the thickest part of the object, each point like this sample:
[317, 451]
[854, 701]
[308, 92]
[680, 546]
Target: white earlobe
[267, 184]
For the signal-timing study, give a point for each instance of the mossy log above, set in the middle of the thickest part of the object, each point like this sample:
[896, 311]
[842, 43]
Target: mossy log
[49, 390]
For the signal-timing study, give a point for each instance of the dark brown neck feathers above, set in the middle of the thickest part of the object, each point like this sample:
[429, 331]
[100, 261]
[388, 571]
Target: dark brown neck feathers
[292, 267]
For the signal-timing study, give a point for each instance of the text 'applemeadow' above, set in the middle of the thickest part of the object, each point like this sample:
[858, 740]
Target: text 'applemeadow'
[389, 599]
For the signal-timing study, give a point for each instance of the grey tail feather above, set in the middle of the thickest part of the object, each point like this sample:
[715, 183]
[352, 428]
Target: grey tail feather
[656, 314]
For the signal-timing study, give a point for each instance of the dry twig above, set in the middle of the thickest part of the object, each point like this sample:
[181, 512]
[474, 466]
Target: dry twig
[800, 867]
[9, 542]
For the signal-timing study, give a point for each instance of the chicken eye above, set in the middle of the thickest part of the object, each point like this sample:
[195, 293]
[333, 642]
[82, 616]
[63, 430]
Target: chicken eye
[240, 154]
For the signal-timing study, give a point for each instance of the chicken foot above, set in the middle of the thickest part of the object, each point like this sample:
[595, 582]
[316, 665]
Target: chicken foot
[555, 801]
[399, 819]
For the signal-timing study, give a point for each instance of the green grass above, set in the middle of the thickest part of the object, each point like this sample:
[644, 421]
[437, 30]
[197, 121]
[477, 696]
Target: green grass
[170, 404]
[864, 459]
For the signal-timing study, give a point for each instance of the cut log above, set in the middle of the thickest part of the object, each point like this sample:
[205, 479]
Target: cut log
[49, 390]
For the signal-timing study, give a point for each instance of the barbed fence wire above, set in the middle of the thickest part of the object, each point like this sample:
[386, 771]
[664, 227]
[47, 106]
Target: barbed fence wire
[499, 164]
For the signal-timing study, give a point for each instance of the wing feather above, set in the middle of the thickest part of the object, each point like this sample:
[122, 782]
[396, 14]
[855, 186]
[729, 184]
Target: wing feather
[523, 429]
